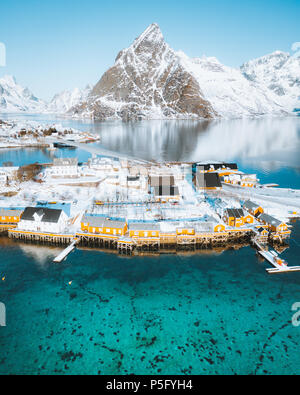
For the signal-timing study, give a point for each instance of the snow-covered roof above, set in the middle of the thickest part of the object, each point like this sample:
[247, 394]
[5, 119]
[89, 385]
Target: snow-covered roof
[46, 214]
[10, 213]
[144, 226]
[102, 222]
[234, 212]
[268, 219]
[65, 161]
[250, 205]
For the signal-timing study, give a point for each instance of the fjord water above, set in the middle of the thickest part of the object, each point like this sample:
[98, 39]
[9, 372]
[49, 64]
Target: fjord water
[202, 313]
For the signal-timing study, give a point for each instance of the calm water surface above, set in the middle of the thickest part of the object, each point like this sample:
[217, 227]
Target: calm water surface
[204, 313]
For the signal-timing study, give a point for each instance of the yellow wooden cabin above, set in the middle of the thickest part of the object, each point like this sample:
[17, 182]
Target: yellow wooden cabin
[247, 184]
[219, 228]
[10, 217]
[248, 218]
[263, 232]
[275, 225]
[253, 208]
[144, 230]
[105, 226]
[234, 217]
[185, 231]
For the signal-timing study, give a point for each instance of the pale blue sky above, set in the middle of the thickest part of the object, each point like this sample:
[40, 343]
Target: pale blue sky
[56, 45]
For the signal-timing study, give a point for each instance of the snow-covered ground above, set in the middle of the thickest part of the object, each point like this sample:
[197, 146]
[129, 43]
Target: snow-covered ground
[102, 181]
[31, 133]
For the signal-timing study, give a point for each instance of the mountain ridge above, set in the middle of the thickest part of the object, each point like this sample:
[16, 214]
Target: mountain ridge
[150, 80]
[124, 92]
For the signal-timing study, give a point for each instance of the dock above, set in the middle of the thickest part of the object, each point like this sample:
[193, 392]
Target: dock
[280, 265]
[271, 256]
[63, 255]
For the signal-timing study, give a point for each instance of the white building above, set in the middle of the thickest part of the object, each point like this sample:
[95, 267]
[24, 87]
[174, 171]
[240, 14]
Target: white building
[45, 220]
[101, 164]
[64, 167]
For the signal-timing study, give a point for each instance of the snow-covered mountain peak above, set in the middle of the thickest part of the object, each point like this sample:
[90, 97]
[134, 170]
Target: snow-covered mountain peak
[62, 102]
[149, 44]
[272, 62]
[147, 81]
[278, 72]
[9, 80]
[15, 98]
[150, 36]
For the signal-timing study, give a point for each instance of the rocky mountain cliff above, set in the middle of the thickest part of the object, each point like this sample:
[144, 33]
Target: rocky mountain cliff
[147, 81]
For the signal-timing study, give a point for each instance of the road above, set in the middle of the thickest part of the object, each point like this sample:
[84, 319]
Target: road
[97, 150]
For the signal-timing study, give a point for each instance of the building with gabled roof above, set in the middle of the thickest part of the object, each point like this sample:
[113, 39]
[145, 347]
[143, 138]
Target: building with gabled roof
[45, 220]
[269, 220]
[275, 225]
[235, 217]
[9, 216]
[144, 229]
[253, 208]
[102, 225]
[64, 167]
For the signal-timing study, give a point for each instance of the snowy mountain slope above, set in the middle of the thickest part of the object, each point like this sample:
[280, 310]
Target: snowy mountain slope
[279, 73]
[150, 80]
[62, 102]
[147, 81]
[15, 98]
[229, 92]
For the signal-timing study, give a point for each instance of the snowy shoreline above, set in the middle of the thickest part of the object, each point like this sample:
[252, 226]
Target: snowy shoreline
[31, 134]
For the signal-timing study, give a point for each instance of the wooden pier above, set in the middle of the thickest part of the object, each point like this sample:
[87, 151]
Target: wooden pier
[126, 244]
[280, 265]
[63, 255]
[271, 256]
[43, 238]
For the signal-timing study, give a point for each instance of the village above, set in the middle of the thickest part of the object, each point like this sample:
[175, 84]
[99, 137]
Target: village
[15, 134]
[136, 207]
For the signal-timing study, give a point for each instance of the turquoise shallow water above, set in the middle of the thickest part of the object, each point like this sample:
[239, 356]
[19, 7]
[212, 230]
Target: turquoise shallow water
[195, 314]
[198, 314]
